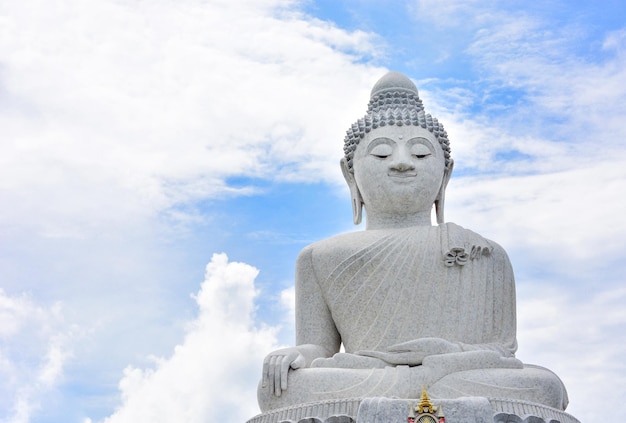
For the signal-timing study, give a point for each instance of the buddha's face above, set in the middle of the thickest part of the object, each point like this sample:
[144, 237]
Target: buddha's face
[399, 169]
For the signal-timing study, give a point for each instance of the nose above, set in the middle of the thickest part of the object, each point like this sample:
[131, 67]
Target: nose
[402, 161]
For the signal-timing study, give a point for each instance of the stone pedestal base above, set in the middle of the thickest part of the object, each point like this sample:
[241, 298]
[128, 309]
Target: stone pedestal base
[386, 410]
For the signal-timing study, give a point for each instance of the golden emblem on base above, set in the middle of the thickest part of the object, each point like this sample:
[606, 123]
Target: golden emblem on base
[425, 411]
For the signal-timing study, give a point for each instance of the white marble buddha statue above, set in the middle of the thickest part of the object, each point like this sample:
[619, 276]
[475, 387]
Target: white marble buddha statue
[414, 305]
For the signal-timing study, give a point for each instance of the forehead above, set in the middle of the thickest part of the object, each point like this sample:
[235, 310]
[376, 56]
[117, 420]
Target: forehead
[400, 133]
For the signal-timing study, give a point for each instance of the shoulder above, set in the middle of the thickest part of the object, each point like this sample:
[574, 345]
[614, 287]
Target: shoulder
[340, 241]
[324, 255]
[472, 242]
[347, 242]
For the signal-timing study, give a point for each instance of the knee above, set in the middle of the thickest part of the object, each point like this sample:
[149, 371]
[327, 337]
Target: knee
[532, 383]
[552, 388]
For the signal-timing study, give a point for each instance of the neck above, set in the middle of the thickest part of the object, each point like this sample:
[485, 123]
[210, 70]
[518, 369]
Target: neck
[395, 221]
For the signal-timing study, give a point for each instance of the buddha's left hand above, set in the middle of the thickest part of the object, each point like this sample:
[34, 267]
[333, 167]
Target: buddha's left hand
[412, 353]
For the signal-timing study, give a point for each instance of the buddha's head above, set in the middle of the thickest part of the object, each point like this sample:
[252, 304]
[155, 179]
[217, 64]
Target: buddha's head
[397, 158]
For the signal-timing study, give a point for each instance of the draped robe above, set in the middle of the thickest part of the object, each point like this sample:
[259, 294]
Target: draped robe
[436, 281]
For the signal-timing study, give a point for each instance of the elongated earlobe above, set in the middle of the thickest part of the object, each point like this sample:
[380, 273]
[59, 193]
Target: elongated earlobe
[355, 194]
[441, 197]
[439, 205]
[357, 209]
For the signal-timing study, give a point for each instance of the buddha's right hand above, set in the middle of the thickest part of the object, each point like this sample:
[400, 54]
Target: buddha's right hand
[276, 368]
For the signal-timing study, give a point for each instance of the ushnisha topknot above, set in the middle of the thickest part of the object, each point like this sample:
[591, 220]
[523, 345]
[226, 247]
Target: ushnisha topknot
[394, 101]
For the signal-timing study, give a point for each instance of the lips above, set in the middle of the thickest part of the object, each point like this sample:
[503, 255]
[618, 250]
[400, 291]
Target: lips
[402, 175]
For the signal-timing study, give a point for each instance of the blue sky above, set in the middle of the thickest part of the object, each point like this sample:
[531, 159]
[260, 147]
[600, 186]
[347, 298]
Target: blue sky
[143, 141]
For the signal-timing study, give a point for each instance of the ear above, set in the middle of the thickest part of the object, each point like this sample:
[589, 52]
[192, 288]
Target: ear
[441, 197]
[355, 194]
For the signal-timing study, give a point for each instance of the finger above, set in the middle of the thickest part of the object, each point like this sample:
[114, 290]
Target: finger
[300, 361]
[284, 371]
[266, 369]
[277, 372]
[415, 345]
[369, 353]
[401, 358]
[270, 373]
[411, 358]
[398, 348]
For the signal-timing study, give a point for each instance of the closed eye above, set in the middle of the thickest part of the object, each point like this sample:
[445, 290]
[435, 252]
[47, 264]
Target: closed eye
[381, 151]
[420, 151]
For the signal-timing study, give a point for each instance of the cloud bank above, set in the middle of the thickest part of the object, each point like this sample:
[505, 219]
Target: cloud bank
[212, 375]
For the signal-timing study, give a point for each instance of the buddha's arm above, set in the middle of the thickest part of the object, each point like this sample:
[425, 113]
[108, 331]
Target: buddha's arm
[503, 337]
[314, 322]
[316, 335]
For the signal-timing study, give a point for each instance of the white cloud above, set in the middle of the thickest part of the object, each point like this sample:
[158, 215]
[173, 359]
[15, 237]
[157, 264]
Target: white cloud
[35, 345]
[570, 99]
[582, 339]
[213, 374]
[112, 111]
[288, 302]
